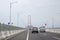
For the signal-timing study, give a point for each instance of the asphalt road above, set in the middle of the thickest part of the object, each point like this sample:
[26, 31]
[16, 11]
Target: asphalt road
[36, 36]
[44, 36]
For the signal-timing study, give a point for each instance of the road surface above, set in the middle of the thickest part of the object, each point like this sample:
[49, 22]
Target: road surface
[36, 36]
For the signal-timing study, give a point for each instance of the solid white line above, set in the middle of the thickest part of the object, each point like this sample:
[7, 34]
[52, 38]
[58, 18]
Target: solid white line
[56, 38]
[27, 36]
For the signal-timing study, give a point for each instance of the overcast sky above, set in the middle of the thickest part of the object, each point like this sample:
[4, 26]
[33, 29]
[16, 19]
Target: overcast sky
[41, 11]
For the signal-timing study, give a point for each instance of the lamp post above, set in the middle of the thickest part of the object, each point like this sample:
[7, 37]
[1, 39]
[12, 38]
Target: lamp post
[10, 11]
[17, 19]
[52, 22]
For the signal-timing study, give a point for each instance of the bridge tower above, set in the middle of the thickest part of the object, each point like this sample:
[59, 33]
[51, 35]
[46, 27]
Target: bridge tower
[29, 22]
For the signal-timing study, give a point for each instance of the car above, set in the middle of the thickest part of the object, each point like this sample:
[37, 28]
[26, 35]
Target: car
[42, 29]
[34, 30]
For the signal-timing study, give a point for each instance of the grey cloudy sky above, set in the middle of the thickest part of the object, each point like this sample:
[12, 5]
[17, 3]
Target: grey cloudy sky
[41, 11]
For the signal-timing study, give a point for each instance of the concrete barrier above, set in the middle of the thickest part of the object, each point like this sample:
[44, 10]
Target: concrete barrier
[4, 34]
[9, 30]
[53, 30]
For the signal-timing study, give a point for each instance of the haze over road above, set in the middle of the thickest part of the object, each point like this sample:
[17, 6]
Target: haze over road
[18, 17]
[41, 11]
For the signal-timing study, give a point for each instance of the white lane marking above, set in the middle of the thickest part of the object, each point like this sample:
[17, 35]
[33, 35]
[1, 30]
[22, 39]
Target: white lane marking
[27, 36]
[56, 38]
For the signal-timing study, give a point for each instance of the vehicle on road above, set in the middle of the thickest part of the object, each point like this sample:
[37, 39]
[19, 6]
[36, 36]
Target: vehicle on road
[34, 30]
[42, 29]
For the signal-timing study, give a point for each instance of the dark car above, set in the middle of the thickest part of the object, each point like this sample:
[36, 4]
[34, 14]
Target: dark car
[34, 30]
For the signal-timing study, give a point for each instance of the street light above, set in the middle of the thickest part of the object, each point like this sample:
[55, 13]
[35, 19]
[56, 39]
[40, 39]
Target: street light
[17, 19]
[10, 10]
[52, 22]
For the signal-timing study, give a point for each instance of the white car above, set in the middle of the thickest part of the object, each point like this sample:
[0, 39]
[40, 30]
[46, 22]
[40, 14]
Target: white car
[42, 29]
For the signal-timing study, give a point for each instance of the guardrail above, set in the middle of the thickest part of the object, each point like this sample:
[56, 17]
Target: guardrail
[53, 30]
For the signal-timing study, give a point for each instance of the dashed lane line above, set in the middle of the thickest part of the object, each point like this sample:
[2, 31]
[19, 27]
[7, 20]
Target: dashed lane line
[56, 38]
